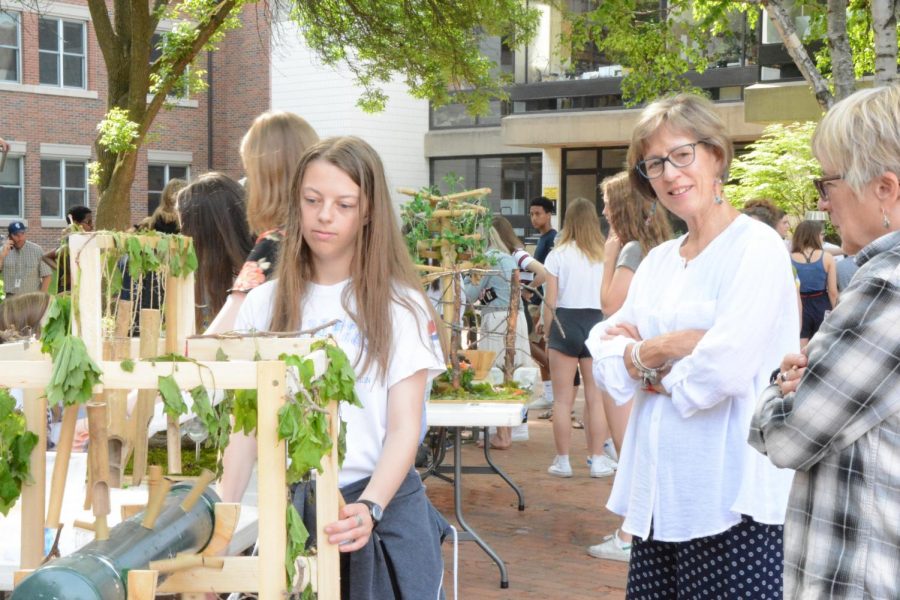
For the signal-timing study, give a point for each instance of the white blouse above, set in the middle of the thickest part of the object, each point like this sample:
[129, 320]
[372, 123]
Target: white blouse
[686, 467]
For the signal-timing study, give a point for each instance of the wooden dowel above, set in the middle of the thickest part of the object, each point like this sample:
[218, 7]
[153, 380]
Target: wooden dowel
[33, 492]
[61, 466]
[154, 504]
[83, 525]
[143, 410]
[206, 477]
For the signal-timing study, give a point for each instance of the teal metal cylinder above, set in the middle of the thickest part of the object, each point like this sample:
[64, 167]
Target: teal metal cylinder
[99, 570]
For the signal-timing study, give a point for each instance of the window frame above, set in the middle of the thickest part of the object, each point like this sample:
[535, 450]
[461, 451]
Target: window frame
[61, 53]
[5, 218]
[17, 18]
[63, 187]
[166, 177]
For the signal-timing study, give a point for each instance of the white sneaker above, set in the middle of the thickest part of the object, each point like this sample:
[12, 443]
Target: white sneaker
[602, 466]
[560, 467]
[612, 548]
[540, 403]
[609, 449]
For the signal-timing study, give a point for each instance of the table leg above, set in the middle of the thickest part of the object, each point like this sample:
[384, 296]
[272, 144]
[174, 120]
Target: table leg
[457, 505]
[500, 472]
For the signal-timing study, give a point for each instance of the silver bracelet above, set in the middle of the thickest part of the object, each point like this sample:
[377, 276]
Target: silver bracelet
[649, 376]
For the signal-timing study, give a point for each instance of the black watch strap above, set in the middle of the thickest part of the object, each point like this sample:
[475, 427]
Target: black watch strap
[375, 511]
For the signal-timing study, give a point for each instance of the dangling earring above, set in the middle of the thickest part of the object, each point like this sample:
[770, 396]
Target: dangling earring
[652, 212]
[884, 220]
[718, 197]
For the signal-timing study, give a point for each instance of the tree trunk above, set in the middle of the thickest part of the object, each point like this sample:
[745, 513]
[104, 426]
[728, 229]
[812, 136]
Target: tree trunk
[841, 56]
[114, 207]
[784, 24]
[884, 24]
[455, 332]
[515, 294]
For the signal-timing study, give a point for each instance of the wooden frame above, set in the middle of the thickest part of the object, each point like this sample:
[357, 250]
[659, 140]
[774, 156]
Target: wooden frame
[22, 366]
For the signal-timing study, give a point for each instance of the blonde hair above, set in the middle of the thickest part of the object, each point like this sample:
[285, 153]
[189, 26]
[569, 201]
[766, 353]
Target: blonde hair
[509, 241]
[859, 138]
[21, 315]
[382, 272]
[582, 228]
[633, 216]
[270, 151]
[165, 213]
[685, 113]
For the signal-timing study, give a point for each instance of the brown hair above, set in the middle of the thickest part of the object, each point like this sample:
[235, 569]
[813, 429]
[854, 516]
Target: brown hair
[21, 315]
[685, 113]
[507, 235]
[270, 151]
[582, 227]
[633, 216]
[214, 214]
[807, 235]
[765, 211]
[382, 272]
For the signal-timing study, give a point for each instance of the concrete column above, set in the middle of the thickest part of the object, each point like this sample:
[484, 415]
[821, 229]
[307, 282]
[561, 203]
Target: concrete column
[551, 177]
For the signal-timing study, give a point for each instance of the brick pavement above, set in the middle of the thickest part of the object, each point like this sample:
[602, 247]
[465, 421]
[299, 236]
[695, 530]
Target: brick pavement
[544, 547]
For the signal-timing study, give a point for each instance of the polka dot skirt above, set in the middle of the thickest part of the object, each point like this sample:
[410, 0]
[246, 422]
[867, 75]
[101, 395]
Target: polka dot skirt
[743, 562]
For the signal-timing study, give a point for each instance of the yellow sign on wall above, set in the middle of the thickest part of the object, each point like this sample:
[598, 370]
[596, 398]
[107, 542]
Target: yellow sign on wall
[551, 192]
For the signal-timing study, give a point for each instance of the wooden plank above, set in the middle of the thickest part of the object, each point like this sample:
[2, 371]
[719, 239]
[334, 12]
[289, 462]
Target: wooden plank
[21, 574]
[227, 517]
[143, 411]
[22, 351]
[32, 500]
[328, 561]
[142, 584]
[271, 482]
[179, 313]
[247, 348]
[86, 269]
[240, 574]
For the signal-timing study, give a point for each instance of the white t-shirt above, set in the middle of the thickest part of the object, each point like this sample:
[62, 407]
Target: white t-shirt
[416, 346]
[685, 465]
[578, 278]
[523, 259]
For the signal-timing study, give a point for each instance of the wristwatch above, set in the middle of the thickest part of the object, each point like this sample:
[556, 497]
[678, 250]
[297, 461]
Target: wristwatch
[375, 511]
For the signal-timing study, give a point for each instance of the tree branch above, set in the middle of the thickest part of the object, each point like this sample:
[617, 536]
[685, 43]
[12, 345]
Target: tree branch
[841, 56]
[110, 44]
[784, 24]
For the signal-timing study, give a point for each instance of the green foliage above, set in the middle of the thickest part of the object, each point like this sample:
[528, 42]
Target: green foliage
[127, 365]
[117, 132]
[16, 444]
[860, 34]
[434, 46]
[173, 402]
[779, 167]
[296, 542]
[74, 374]
[216, 419]
[244, 410]
[58, 325]
[303, 421]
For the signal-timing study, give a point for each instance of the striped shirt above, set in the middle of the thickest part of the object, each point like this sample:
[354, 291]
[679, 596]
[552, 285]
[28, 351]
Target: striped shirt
[841, 431]
[24, 268]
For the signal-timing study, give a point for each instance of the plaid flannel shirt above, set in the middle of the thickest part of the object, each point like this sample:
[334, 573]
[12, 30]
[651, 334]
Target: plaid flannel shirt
[841, 431]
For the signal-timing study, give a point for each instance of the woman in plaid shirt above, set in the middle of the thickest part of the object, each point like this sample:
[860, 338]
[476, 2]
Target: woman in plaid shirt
[835, 416]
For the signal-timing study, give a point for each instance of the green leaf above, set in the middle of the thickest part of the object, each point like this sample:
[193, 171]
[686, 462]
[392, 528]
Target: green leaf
[297, 535]
[220, 355]
[127, 365]
[173, 402]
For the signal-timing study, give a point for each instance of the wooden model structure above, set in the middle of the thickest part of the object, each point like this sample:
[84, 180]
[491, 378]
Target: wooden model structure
[25, 367]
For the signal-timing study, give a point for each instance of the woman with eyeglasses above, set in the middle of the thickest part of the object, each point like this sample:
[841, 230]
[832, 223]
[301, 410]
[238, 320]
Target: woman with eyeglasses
[835, 414]
[705, 318]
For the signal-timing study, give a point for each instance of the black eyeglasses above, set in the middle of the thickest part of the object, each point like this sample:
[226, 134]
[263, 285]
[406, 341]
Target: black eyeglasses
[819, 183]
[679, 157]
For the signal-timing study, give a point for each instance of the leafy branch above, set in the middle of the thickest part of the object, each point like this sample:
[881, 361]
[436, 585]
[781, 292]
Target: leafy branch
[16, 444]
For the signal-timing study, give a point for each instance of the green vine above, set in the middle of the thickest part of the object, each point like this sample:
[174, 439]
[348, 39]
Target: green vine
[16, 444]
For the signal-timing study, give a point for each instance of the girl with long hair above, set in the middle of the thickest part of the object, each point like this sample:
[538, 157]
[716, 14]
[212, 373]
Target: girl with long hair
[635, 227]
[343, 259]
[817, 272]
[213, 213]
[531, 272]
[574, 274]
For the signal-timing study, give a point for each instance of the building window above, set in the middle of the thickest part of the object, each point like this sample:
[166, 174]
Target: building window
[514, 180]
[11, 188]
[157, 178]
[63, 185]
[62, 52]
[9, 46]
[180, 89]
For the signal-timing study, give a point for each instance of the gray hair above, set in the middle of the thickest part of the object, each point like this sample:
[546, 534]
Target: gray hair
[859, 138]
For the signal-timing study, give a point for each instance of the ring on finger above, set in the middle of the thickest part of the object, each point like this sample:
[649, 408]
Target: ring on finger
[359, 521]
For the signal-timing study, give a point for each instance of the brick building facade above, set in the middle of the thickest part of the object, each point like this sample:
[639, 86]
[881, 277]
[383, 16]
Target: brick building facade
[49, 113]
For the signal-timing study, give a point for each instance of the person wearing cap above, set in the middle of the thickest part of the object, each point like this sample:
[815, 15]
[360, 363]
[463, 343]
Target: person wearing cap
[24, 269]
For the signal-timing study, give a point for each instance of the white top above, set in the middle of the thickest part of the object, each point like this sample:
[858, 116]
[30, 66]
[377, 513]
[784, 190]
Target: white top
[685, 464]
[416, 346]
[579, 279]
[523, 259]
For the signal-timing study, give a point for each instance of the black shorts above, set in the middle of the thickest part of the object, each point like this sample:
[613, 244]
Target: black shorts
[577, 324]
